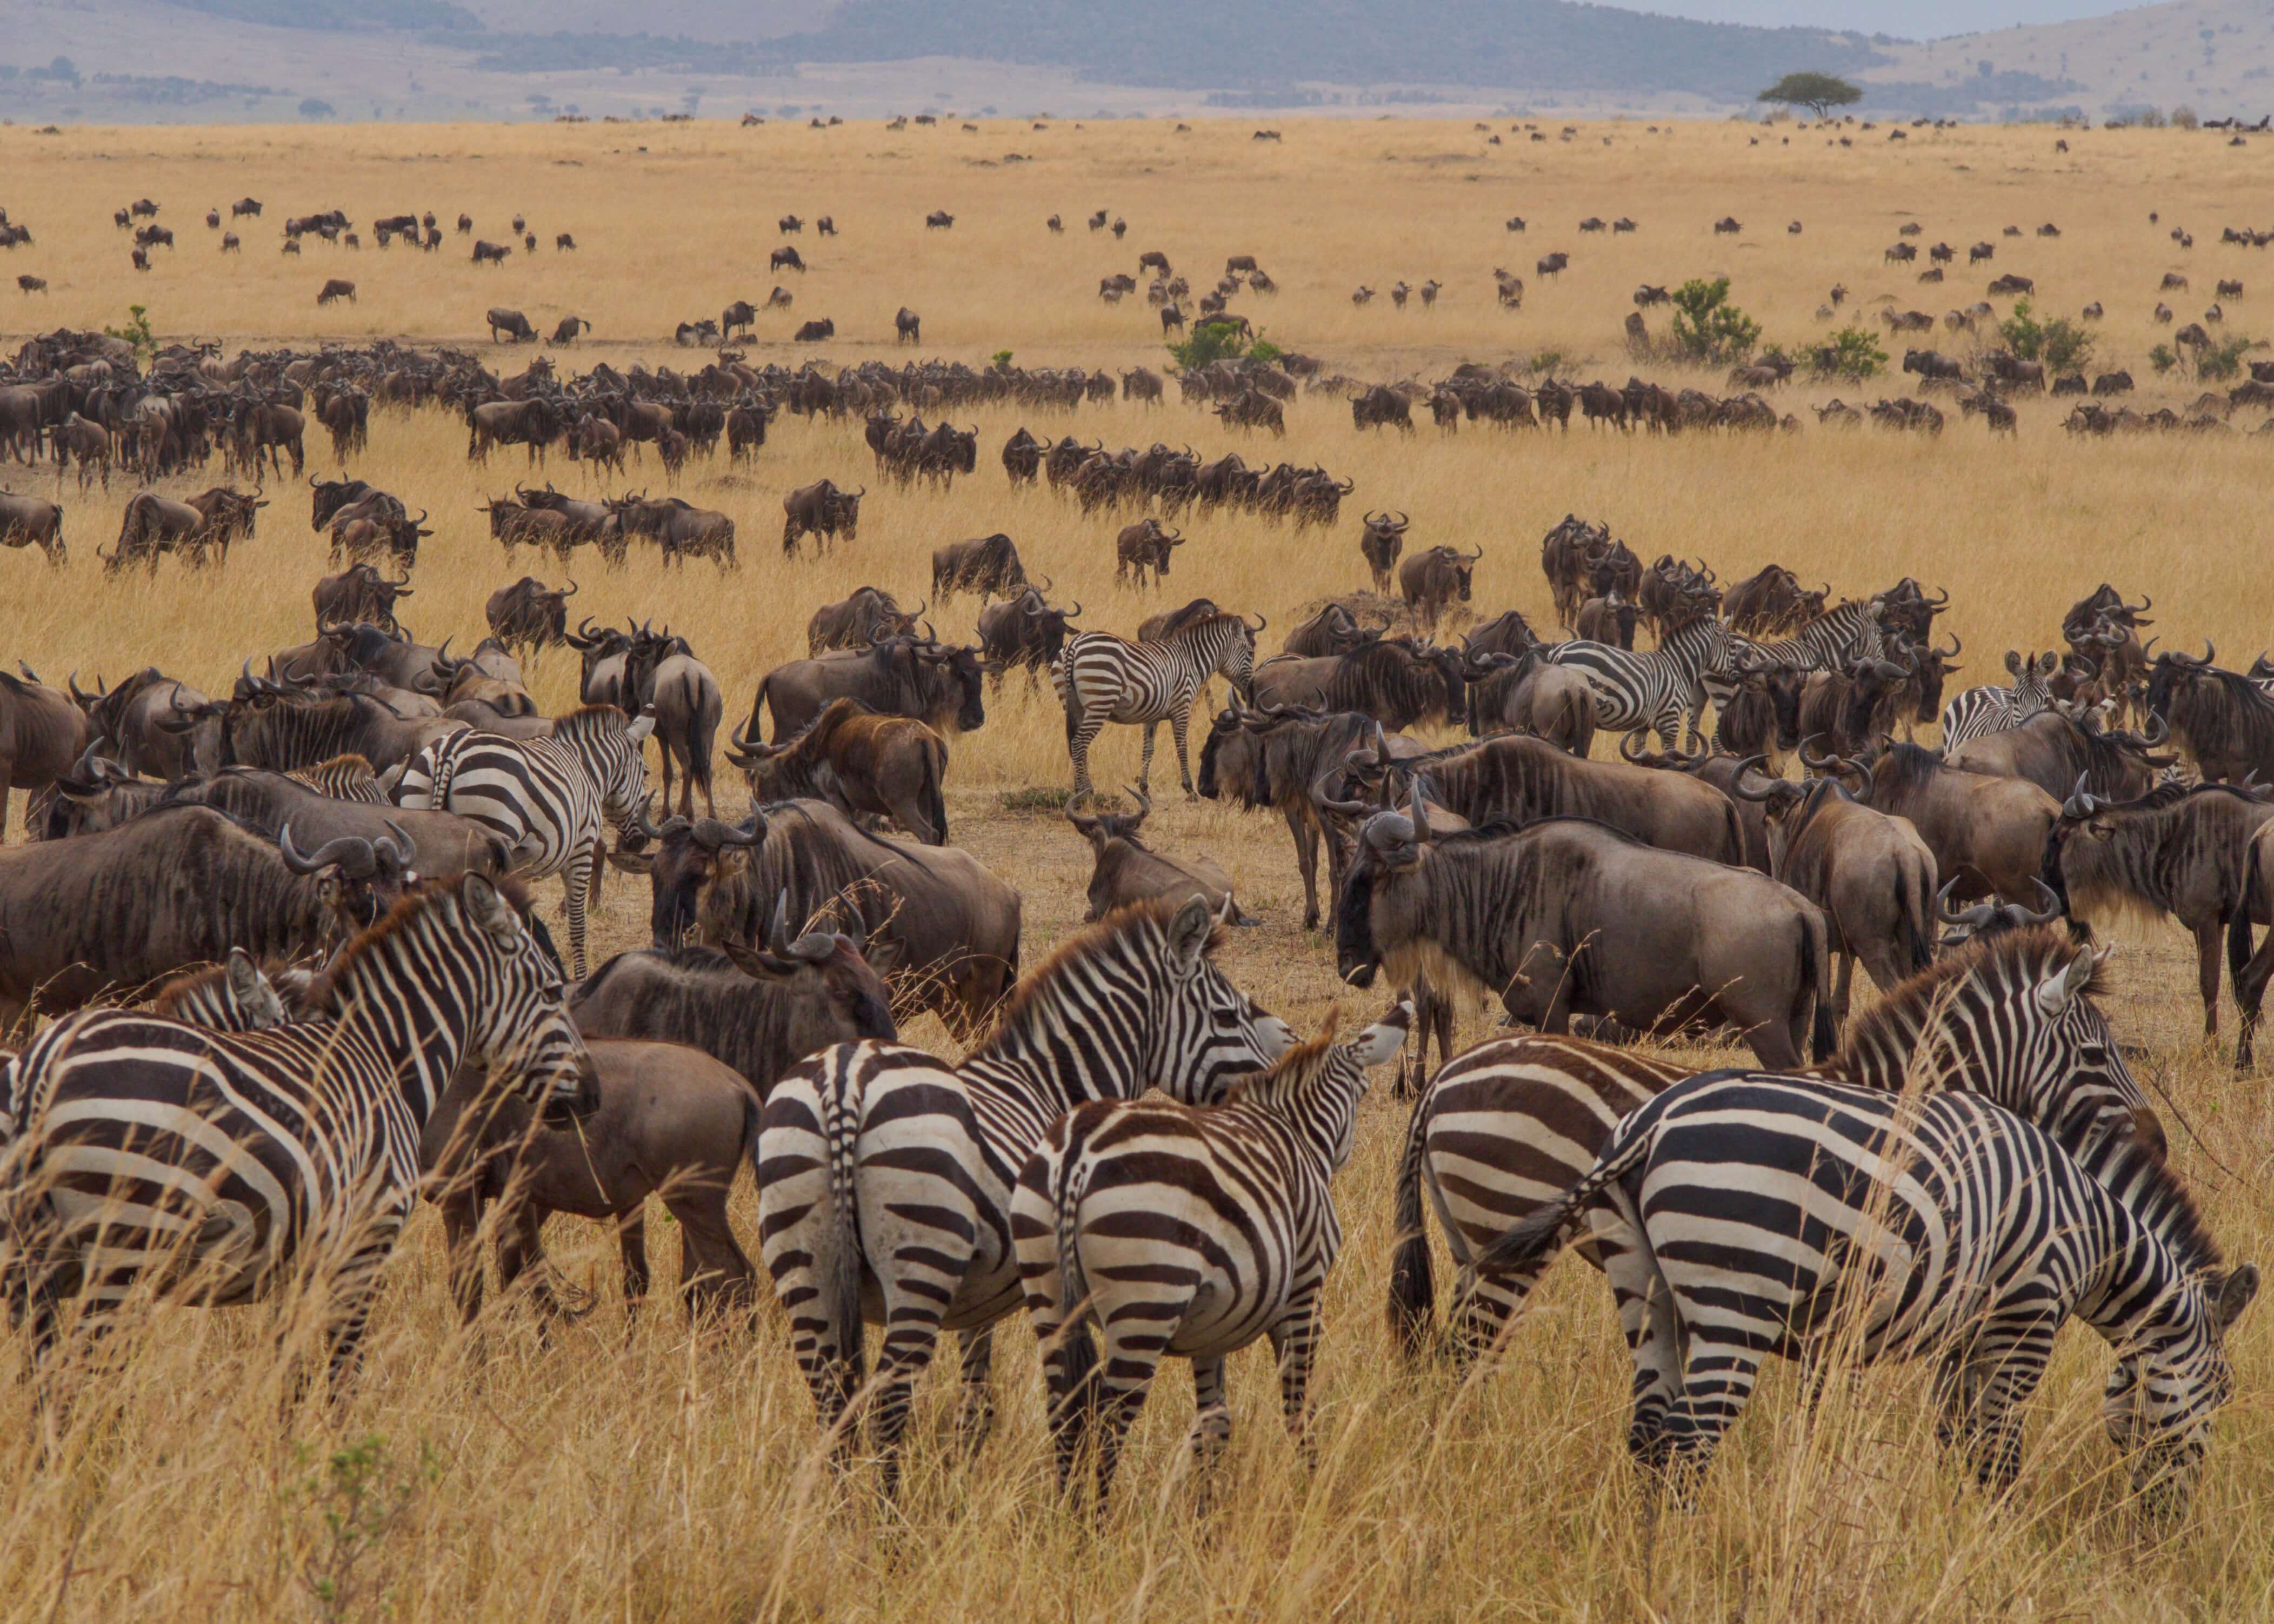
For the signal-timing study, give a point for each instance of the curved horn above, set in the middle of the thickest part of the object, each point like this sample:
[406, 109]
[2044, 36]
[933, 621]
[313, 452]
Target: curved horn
[777, 927]
[1626, 746]
[398, 844]
[2080, 803]
[324, 856]
[2159, 731]
[1144, 802]
[1972, 919]
[2050, 898]
[1936, 603]
[1479, 554]
[1951, 653]
[1416, 812]
[565, 596]
[1816, 764]
[1328, 804]
[80, 695]
[1260, 624]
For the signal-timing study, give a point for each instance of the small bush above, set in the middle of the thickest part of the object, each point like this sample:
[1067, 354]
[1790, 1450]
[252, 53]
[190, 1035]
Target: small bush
[2161, 358]
[2183, 118]
[2063, 345]
[1545, 364]
[1214, 339]
[1000, 360]
[137, 333]
[1853, 353]
[2151, 119]
[1707, 328]
[2221, 360]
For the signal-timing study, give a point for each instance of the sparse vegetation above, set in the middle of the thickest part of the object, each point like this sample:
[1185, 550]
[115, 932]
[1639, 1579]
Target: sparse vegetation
[2063, 345]
[1818, 93]
[1707, 328]
[1852, 353]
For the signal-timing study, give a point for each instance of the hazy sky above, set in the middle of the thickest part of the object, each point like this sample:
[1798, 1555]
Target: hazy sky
[1910, 20]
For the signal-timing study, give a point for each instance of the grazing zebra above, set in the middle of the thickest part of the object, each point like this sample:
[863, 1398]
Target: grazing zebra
[1512, 1124]
[343, 778]
[1833, 640]
[1654, 688]
[1992, 709]
[1102, 678]
[232, 1165]
[1189, 1230]
[878, 1163]
[1733, 1208]
[546, 796]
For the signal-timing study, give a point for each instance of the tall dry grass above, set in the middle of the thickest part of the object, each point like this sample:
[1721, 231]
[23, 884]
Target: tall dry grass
[624, 1470]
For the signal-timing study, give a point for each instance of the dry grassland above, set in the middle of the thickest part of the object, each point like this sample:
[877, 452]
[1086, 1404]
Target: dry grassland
[632, 1472]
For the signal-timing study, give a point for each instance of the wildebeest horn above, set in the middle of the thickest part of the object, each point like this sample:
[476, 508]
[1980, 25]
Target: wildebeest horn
[1034, 608]
[398, 844]
[2157, 732]
[645, 825]
[1417, 813]
[1626, 746]
[1849, 763]
[332, 852]
[1328, 804]
[1144, 803]
[711, 833]
[1973, 918]
[565, 596]
[2145, 604]
[777, 927]
[2079, 804]
[2052, 899]
[1479, 554]
[1816, 764]
[1752, 763]
[1951, 653]
[1372, 519]
[80, 695]
[1936, 603]
[1259, 623]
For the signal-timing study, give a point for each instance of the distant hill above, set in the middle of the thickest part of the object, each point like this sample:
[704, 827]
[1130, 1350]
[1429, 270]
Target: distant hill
[1535, 45]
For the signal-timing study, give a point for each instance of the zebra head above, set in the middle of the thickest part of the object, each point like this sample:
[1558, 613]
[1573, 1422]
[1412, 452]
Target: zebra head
[1203, 1032]
[519, 1027]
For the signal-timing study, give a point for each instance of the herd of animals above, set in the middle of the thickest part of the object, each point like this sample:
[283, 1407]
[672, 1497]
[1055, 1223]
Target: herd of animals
[293, 979]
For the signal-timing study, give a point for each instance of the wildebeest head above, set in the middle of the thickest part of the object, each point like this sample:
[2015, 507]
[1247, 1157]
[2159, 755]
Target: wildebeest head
[1393, 848]
[827, 963]
[1992, 918]
[957, 671]
[685, 857]
[358, 880]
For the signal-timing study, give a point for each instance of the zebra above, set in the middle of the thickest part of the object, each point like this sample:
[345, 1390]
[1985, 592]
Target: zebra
[1992, 709]
[546, 796]
[1189, 1230]
[1847, 632]
[1654, 688]
[234, 997]
[1512, 1124]
[225, 1167]
[1732, 1207]
[877, 1161]
[343, 778]
[1102, 678]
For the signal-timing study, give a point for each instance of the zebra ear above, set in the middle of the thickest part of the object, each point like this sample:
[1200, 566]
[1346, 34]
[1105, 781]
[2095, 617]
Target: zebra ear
[1188, 935]
[2056, 993]
[2232, 1293]
[642, 725]
[1382, 1040]
[489, 910]
[255, 998]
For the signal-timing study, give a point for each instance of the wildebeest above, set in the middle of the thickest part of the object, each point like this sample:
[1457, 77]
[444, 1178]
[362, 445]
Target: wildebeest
[1125, 870]
[1023, 631]
[853, 622]
[1432, 579]
[1381, 542]
[1023, 457]
[2218, 718]
[1525, 694]
[1608, 620]
[2056, 752]
[1568, 917]
[861, 762]
[1772, 601]
[491, 253]
[1394, 680]
[681, 530]
[42, 733]
[283, 730]
[987, 565]
[908, 327]
[938, 220]
[1381, 407]
[821, 509]
[1147, 545]
[941, 929]
[785, 257]
[201, 528]
[336, 288]
[512, 324]
[815, 332]
[1987, 834]
[936, 683]
[529, 617]
[533, 423]
[359, 592]
[29, 520]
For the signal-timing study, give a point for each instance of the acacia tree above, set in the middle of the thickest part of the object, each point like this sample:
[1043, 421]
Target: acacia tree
[1817, 92]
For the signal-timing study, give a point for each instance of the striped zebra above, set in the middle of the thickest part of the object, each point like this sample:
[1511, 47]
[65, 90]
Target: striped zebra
[225, 1167]
[1513, 1123]
[1745, 1214]
[234, 997]
[879, 1164]
[1189, 1230]
[1654, 688]
[1102, 678]
[343, 778]
[1833, 640]
[546, 796]
[1993, 710]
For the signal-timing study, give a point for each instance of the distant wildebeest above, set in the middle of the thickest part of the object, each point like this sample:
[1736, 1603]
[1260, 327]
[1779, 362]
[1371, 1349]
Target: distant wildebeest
[908, 327]
[336, 288]
[527, 616]
[1381, 542]
[567, 330]
[938, 220]
[821, 509]
[1433, 579]
[28, 521]
[491, 253]
[1145, 544]
[512, 324]
[815, 332]
[987, 565]
[786, 257]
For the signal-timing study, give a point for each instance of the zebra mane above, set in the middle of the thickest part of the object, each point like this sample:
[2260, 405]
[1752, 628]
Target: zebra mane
[1291, 1073]
[1190, 631]
[2129, 1169]
[414, 903]
[1151, 915]
[2023, 958]
[589, 719]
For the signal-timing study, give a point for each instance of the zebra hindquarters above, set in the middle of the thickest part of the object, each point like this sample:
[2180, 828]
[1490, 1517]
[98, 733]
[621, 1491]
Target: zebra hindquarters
[1051, 1284]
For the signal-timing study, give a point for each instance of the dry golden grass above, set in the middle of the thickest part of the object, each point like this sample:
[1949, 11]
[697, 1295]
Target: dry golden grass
[633, 1472]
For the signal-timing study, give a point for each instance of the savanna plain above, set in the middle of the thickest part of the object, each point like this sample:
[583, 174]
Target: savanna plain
[630, 1469]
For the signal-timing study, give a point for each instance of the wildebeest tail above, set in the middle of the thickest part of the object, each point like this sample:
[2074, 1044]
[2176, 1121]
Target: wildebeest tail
[2246, 908]
[1816, 983]
[758, 705]
[934, 804]
[1915, 902]
[1413, 1285]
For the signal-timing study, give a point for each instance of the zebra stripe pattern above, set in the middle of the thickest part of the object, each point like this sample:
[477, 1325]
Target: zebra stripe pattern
[547, 797]
[878, 1160]
[225, 1166]
[1102, 678]
[1512, 1124]
[343, 778]
[1833, 640]
[235, 997]
[1992, 709]
[1656, 687]
[1187, 1230]
[1732, 1207]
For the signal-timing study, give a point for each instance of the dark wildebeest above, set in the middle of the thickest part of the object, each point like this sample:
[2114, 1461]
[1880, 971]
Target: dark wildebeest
[1568, 917]
[987, 565]
[1987, 834]
[740, 314]
[815, 332]
[528, 617]
[1395, 680]
[369, 841]
[359, 593]
[1145, 544]
[942, 929]
[1381, 407]
[785, 256]
[123, 726]
[2183, 851]
[821, 509]
[853, 622]
[491, 253]
[681, 530]
[123, 909]
[1871, 873]
[2054, 752]
[200, 528]
[861, 762]
[1023, 457]
[285, 731]
[1123, 869]
[1333, 631]
[1430, 580]
[1772, 601]
[336, 288]
[568, 329]
[907, 326]
[1024, 632]
[42, 733]
[1525, 694]
[28, 521]
[1381, 542]
[532, 424]
[1609, 619]
[900, 676]
[2219, 718]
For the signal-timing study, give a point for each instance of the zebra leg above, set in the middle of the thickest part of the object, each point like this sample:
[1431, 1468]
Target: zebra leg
[575, 882]
[1081, 734]
[1294, 1338]
[1145, 767]
[1646, 1315]
[1983, 1386]
[1717, 1382]
[975, 1417]
[1069, 1371]
[1211, 1424]
[1132, 1359]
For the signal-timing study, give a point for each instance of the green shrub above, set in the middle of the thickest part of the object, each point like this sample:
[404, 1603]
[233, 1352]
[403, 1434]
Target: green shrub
[2063, 345]
[2161, 358]
[1213, 340]
[1707, 328]
[137, 333]
[1852, 353]
[2221, 360]
[1000, 360]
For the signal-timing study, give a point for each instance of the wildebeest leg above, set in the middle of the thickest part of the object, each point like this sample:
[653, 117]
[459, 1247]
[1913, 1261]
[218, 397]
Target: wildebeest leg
[2250, 975]
[663, 749]
[714, 1272]
[974, 1416]
[461, 1220]
[1306, 859]
[520, 1247]
[1840, 991]
[631, 1245]
[2207, 935]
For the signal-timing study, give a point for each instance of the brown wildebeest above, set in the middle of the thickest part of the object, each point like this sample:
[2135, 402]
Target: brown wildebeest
[1125, 870]
[1987, 834]
[1381, 542]
[908, 327]
[987, 565]
[528, 617]
[1524, 694]
[864, 764]
[821, 509]
[359, 592]
[1431, 580]
[853, 622]
[336, 288]
[42, 733]
[75, 440]
[1145, 544]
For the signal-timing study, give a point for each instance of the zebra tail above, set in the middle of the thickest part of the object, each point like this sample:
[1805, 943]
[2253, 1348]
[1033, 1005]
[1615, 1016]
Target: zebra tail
[1531, 1241]
[1815, 974]
[1413, 1285]
[839, 1254]
[1079, 1349]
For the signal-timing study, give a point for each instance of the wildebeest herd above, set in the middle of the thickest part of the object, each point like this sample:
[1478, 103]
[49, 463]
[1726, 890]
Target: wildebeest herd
[313, 885]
